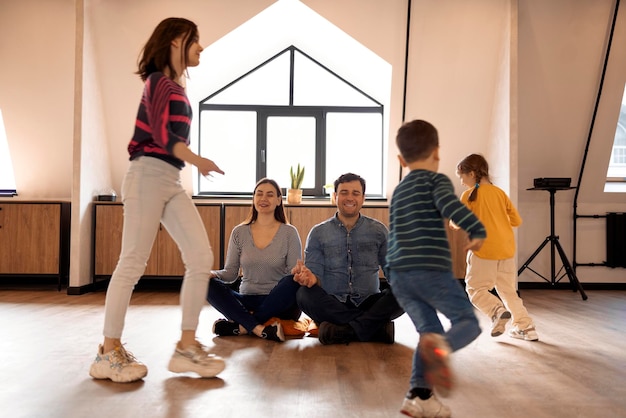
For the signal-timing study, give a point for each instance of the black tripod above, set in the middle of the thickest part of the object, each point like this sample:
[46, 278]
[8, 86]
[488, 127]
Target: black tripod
[555, 244]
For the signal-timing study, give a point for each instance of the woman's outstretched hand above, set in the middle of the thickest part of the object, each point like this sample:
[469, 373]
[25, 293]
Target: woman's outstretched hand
[206, 166]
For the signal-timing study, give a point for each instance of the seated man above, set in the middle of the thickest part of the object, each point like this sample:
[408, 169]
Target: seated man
[340, 284]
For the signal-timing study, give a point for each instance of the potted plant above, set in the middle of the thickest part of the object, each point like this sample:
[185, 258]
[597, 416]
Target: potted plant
[294, 194]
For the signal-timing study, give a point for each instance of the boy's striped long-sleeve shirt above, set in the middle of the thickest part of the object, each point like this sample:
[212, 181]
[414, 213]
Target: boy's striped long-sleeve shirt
[417, 232]
[163, 119]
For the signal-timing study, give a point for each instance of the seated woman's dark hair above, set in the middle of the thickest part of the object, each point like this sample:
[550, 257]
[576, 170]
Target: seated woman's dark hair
[279, 211]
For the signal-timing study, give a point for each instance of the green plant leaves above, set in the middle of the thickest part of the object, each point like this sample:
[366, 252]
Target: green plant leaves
[297, 176]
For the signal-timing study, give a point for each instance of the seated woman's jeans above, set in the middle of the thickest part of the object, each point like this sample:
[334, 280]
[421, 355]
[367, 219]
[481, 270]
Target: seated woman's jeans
[253, 310]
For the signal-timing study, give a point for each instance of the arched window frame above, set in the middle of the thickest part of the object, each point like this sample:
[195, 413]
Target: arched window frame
[290, 109]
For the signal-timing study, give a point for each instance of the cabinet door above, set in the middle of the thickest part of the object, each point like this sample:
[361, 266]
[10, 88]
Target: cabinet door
[109, 221]
[380, 214]
[170, 262]
[30, 237]
[211, 217]
[234, 215]
[166, 256]
[305, 217]
[457, 239]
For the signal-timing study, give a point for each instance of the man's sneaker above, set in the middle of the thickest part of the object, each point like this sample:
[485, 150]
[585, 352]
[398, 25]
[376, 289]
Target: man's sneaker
[386, 334]
[430, 407]
[225, 328]
[273, 332]
[528, 334]
[435, 352]
[499, 320]
[330, 333]
[197, 359]
[118, 365]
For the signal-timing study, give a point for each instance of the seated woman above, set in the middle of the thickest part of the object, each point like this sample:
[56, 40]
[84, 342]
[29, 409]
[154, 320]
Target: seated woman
[266, 248]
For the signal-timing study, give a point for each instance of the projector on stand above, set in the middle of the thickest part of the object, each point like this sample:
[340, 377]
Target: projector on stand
[552, 182]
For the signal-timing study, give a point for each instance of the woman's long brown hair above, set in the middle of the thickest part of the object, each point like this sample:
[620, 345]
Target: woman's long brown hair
[279, 211]
[155, 55]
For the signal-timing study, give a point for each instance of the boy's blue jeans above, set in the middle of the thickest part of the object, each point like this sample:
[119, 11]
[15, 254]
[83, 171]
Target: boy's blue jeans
[424, 292]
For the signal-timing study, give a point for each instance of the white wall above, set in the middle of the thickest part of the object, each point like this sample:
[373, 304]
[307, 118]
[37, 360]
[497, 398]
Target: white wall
[561, 53]
[37, 93]
[530, 120]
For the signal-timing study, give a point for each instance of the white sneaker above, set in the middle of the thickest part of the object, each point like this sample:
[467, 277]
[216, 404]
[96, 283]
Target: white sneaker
[499, 320]
[118, 365]
[528, 334]
[197, 359]
[429, 408]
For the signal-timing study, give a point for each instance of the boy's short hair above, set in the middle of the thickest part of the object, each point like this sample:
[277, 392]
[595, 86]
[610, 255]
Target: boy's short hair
[416, 140]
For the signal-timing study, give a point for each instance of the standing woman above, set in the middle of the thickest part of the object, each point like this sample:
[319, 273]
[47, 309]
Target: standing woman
[152, 193]
[266, 248]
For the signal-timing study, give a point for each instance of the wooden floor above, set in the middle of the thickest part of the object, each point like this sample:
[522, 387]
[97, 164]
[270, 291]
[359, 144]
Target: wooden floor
[48, 340]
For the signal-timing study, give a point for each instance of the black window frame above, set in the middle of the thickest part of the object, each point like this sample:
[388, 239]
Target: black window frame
[263, 112]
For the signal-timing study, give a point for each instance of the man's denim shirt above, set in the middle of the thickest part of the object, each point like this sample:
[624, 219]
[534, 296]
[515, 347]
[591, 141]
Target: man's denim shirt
[347, 262]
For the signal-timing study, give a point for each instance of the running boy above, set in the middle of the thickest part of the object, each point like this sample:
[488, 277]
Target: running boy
[420, 266]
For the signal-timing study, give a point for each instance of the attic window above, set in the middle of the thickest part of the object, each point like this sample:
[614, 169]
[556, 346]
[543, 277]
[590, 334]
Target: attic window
[7, 178]
[616, 173]
[289, 110]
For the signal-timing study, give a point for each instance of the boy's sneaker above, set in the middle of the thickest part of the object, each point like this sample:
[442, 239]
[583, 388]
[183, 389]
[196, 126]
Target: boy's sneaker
[273, 332]
[330, 333]
[435, 351]
[499, 320]
[420, 408]
[197, 359]
[225, 328]
[528, 334]
[118, 365]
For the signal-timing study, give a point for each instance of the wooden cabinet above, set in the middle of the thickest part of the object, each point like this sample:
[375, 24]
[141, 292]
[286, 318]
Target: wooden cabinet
[165, 259]
[457, 239]
[211, 216]
[379, 213]
[306, 217]
[234, 214]
[34, 239]
[303, 217]
[219, 220]
[108, 220]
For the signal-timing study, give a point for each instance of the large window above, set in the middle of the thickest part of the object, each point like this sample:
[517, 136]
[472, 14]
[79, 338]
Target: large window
[291, 110]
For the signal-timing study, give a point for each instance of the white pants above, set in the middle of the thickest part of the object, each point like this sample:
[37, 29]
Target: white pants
[152, 193]
[483, 275]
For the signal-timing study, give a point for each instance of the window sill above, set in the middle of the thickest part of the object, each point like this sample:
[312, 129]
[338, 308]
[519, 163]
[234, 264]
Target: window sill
[615, 187]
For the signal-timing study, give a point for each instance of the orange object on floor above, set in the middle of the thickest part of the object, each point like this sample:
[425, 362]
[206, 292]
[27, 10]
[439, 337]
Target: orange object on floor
[312, 329]
[291, 328]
